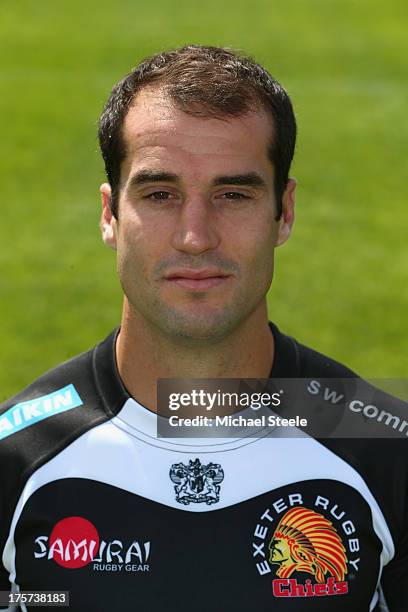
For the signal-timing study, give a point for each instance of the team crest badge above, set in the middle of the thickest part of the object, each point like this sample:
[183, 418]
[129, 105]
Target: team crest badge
[306, 541]
[196, 482]
[307, 551]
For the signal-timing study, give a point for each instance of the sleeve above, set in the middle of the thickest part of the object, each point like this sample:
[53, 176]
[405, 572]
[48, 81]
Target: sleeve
[4, 576]
[6, 509]
[5, 586]
[394, 580]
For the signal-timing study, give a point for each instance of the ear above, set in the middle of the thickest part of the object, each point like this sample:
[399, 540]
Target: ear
[108, 221]
[288, 212]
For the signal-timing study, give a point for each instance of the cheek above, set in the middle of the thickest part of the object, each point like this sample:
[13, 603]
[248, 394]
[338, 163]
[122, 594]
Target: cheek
[137, 252]
[258, 249]
[130, 253]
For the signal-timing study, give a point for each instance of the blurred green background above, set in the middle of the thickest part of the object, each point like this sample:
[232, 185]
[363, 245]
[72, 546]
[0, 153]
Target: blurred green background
[341, 281]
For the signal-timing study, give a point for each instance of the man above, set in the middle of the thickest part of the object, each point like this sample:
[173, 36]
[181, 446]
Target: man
[197, 145]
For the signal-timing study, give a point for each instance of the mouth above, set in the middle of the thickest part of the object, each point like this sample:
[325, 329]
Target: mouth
[197, 280]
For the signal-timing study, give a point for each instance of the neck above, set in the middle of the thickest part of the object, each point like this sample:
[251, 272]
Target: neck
[144, 354]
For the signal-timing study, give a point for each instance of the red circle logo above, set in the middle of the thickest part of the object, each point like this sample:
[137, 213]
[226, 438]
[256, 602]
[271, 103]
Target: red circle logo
[73, 542]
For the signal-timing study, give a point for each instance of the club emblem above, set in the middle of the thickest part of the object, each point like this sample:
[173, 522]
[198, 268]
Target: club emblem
[305, 541]
[196, 482]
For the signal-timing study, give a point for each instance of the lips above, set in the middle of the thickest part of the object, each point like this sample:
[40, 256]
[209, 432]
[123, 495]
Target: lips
[197, 280]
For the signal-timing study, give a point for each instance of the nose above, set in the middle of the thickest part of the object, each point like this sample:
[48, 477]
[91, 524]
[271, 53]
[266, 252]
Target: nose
[196, 231]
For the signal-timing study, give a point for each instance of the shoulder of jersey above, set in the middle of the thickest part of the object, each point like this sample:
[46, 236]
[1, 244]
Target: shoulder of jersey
[315, 366]
[53, 409]
[50, 414]
[381, 461]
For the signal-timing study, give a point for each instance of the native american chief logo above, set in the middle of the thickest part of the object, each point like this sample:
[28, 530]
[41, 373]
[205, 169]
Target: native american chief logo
[305, 541]
[197, 482]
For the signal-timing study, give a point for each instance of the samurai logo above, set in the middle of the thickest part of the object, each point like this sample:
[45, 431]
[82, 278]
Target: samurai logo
[305, 541]
[197, 482]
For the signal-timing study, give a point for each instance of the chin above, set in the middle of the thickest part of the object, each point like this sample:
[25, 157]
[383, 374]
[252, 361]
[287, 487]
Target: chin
[201, 327]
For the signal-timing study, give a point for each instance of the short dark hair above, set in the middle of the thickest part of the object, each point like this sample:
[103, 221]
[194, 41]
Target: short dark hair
[204, 82]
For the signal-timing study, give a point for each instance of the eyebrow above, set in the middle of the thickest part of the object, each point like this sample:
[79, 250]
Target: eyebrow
[152, 176]
[252, 179]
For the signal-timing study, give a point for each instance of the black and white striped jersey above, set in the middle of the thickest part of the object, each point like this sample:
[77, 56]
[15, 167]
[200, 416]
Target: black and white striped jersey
[93, 502]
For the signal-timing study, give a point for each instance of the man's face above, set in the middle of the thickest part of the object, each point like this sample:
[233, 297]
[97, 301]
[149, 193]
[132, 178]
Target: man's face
[279, 550]
[196, 227]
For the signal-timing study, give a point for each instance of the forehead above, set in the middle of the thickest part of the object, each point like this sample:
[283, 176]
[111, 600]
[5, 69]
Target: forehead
[156, 132]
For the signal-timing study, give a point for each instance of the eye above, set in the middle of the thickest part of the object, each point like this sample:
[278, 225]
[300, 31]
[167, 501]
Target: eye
[159, 196]
[234, 195]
